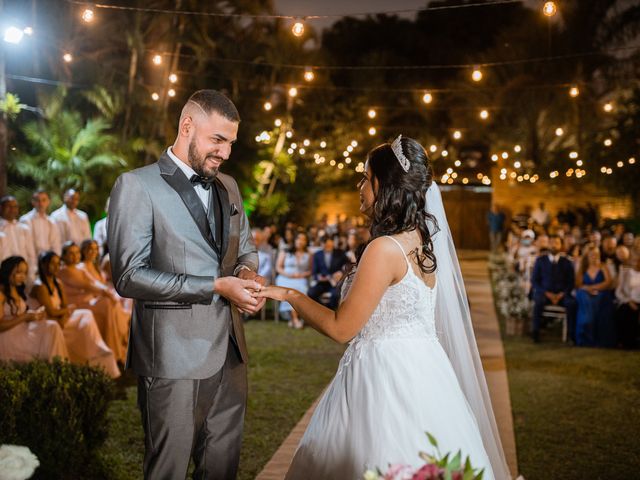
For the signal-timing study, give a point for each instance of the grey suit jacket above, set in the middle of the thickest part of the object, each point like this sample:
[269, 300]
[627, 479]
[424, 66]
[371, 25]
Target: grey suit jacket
[164, 256]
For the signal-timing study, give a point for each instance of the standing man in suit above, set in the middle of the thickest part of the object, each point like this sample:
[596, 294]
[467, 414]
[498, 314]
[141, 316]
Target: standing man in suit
[552, 281]
[326, 271]
[181, 247]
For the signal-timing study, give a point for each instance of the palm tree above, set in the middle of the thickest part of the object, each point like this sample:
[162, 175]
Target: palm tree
[69, 152]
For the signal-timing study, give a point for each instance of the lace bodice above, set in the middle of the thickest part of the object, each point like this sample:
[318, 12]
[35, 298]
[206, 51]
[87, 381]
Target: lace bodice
[406, 310]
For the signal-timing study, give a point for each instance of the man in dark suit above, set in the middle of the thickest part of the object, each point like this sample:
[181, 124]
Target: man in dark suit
[552, 281]
[327, 271]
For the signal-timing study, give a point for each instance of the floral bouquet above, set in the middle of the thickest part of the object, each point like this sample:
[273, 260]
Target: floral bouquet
[437, 467]
[17, 463]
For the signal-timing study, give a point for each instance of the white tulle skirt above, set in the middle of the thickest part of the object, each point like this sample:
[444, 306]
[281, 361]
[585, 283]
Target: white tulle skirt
[376, 411]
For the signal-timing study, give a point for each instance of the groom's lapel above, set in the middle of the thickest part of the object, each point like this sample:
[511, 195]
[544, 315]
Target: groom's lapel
[223, 197]
[180, 183]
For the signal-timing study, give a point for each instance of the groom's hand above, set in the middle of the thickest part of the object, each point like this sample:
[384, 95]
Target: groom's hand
[238, 292]
[247, 274]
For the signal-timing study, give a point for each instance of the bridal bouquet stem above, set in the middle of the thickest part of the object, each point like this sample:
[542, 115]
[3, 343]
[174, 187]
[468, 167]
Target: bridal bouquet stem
[437, 467]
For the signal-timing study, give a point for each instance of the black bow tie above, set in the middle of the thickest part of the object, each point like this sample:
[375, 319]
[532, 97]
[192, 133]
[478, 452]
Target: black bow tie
[204, 182]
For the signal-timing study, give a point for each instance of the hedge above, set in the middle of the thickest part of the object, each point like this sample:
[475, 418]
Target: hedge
[58, 410]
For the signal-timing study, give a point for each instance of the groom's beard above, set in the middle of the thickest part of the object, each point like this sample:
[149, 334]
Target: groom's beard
[198, 162]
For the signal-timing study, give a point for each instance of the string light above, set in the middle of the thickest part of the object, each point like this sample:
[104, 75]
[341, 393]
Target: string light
[484, 114]
[372, 131]
[433, 149]
[457, 163]
[289, 134]
[607, 142]
[465, 180]
[603, 169]
[293, 91]
[608, 107]
[631, 161]
[457, 135]
[445, 153]
[302, 151]
[427, 98]
[294, 145]
[290, 151]
[476, 76]
[323, 144]
[574, 91]
[267, 106]
[67, 57]
[554, 174]
[550, 9]
[88, 15]
[371, 113]
[298, 29]
[340, 166]
[277, 122]
[157, 59]
[505, 155]
[517, 149]
[306, 142]
[309, 75]
[620, 164]
[559, 132]
[173, 78]
[354, 143]
[171, 92]
[573, 155]
[349, 148]
[517, 164]
[609, 171]
[347, 160]
[494, 158]
[155, 97]
[579, 163]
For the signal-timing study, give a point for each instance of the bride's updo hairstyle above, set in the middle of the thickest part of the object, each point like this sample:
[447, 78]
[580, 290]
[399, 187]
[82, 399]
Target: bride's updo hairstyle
[399, 204]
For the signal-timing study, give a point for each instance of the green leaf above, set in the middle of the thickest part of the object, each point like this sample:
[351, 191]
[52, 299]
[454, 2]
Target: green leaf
[432, 440]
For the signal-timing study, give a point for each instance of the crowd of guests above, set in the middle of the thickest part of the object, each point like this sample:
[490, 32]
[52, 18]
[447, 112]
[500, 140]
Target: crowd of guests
[56, 293]
[592, 272]
[312, 259]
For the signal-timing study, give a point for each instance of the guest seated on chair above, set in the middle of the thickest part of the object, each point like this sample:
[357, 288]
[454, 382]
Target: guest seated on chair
[553, 281]
[81, 333]
[628, 295]
[327, 271]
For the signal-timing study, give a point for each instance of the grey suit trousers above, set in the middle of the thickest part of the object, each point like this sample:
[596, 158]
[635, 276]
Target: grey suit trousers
[202, 419]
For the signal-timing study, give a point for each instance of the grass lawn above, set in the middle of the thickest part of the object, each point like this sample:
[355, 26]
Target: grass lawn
[287, 371]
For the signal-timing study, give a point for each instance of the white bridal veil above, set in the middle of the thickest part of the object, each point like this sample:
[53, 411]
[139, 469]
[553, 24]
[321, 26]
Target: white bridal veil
[455, 332]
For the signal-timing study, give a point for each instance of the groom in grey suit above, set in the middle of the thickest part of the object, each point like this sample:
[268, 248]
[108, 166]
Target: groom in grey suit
[181, 246]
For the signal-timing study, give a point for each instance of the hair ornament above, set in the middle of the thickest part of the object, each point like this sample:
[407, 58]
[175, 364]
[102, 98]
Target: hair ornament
[396, 146]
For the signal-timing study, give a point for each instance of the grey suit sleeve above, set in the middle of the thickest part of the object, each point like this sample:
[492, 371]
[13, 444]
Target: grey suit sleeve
[247, 253]
[130, 238]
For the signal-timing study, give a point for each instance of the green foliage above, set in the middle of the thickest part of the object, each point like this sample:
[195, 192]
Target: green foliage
[58, 410]
[10, 106]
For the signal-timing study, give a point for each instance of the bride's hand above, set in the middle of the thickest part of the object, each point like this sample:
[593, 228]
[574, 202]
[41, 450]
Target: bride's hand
[273, 292]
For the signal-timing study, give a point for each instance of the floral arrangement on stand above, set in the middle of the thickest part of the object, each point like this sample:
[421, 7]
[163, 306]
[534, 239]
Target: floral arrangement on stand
[511, 299]
[437, 467]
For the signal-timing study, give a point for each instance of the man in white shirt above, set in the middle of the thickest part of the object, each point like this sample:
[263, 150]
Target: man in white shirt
[45, 232]
[72, 223]
[540, 215]
[18, 239]
[100, 231]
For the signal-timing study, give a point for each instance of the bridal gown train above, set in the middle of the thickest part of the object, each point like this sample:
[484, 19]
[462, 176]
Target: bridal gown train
[394, 383]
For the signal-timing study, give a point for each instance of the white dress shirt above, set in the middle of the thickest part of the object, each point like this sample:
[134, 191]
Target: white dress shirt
[45, 232]
[628, 286]
[73, 224]
[203, 194]
[19, 241]
[100, 233]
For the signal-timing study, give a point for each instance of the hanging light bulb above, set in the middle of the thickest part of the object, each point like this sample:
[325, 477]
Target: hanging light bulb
[371, 113]
[484, 114]
[427, 98]
[171, 92]
[433, 148]
[155, 97]
[608, 107]
[457, 135]
[517, 149]
[173, 78]
[574, 91]
[306, 142]
[309, 75]
[267, 106]
[298, 28]
[67, 57]
[372, 131]
[157, 59]
[323, 144]
[559, 132]
[608, 142]
[88, 15]
[476, 75]
[293, 91]
[277, 122]
[549, 9]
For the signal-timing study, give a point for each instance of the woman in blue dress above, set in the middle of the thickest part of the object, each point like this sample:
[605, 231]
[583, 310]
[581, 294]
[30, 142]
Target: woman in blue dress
[595, 304]
[294, 269]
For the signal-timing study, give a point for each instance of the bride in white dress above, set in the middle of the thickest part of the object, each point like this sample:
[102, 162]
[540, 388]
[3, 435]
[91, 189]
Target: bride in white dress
[412, 365]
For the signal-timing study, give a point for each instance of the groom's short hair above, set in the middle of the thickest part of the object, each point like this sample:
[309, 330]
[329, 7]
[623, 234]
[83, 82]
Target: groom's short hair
[214, 101]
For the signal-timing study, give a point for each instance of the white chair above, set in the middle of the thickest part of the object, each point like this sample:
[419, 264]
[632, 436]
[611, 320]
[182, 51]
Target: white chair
[558, 314]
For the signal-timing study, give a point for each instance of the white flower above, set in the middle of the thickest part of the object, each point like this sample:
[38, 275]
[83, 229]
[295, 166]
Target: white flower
[370, 475]
[17, 463]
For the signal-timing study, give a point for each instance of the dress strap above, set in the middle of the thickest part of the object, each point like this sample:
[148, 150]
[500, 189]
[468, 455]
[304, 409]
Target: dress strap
[401, 249]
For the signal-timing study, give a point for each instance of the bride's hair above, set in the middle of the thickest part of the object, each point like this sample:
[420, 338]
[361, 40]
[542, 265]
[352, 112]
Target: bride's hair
[399, 205]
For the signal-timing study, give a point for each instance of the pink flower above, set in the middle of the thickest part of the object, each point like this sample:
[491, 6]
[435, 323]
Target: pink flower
[427, 472]
[398, 472]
